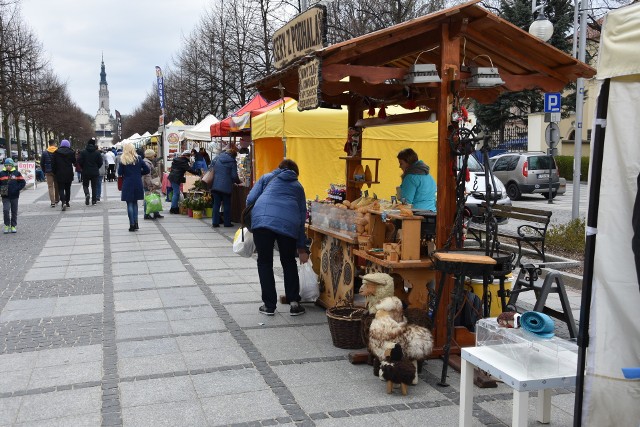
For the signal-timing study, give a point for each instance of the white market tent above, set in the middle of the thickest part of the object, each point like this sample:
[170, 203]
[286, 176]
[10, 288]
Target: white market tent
[201, 131]
[611, 296]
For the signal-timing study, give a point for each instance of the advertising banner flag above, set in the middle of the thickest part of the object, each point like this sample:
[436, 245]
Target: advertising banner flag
[160, 87]
[119, 125]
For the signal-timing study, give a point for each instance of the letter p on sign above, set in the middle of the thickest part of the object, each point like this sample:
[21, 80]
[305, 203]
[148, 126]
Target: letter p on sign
[552, 102]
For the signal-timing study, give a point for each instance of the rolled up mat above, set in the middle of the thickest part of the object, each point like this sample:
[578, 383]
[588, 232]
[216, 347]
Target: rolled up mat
[631, 373]
[537, 323]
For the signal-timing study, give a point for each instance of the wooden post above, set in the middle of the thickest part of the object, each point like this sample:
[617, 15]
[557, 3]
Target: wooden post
[354, 114]
[450, 70]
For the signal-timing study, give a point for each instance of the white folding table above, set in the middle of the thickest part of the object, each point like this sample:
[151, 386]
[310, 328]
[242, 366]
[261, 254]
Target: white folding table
[541, 372]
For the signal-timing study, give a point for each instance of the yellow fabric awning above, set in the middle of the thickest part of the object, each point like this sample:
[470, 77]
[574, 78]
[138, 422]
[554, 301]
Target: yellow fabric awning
[315, 140]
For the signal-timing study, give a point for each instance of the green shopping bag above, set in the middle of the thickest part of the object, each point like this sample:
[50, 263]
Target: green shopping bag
[154, 203]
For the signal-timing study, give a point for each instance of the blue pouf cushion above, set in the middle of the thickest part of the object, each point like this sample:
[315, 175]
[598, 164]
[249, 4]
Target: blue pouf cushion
[537, 323]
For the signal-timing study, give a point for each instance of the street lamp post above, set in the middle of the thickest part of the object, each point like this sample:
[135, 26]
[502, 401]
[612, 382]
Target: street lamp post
[577, 149]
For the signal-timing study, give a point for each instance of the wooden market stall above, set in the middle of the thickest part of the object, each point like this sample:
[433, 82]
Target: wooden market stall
[473, 54]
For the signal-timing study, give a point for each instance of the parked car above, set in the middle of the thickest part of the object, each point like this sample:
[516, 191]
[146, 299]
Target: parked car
[475, 188]
[526, 173]
[3, 154]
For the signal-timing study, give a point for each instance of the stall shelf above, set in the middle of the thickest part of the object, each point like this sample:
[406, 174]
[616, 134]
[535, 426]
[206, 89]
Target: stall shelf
[415, 273]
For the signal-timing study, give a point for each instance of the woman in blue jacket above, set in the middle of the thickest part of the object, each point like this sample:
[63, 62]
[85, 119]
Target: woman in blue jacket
[278, 215]
[226, 174]
[131, 169]
[418, 187]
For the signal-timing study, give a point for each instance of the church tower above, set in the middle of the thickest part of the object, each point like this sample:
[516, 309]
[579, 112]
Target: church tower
[103, 125]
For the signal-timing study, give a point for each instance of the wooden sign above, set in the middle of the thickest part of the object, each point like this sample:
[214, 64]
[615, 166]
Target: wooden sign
[302, 35]
[309, 85]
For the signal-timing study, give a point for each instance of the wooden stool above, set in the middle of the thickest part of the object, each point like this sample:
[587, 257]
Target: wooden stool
[528, 281]
[460, 264]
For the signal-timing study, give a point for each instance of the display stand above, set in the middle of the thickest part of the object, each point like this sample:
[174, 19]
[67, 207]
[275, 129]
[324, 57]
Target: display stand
[353, 185]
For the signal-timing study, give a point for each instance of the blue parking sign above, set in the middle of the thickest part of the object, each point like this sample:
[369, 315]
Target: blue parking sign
[552, 102]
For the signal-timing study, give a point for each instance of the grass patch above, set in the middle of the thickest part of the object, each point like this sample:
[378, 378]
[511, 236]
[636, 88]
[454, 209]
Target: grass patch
[567, 237]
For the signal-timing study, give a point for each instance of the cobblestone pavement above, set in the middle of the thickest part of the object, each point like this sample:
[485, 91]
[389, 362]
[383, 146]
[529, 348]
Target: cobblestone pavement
[100, 327]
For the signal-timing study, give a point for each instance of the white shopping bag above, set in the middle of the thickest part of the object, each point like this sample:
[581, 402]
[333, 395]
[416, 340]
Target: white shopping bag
[243, 246]
[309, 290]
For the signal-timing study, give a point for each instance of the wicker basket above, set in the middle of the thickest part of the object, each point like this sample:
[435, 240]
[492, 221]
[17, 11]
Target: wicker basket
[345, 324]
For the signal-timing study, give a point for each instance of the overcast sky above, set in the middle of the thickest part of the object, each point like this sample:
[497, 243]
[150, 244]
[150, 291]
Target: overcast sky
[134, 35]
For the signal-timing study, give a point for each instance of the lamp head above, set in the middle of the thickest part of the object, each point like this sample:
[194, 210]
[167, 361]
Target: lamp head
[541, 28]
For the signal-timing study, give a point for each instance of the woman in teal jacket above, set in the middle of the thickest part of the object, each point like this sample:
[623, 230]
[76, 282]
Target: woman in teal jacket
[418, 187]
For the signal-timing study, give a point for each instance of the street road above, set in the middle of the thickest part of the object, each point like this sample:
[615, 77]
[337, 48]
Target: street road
[561, 206]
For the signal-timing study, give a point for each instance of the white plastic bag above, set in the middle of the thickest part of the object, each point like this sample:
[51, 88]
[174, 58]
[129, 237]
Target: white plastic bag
[243, 248]
[309, 290]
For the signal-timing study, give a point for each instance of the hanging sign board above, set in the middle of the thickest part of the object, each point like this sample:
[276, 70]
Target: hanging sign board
[302, 35]
[309, 85]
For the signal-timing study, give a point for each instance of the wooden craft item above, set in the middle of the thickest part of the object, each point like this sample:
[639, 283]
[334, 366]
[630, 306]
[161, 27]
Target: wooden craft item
[367, 176]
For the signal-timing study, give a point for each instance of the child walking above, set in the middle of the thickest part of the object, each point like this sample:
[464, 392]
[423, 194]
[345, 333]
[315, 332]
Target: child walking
[11, 182]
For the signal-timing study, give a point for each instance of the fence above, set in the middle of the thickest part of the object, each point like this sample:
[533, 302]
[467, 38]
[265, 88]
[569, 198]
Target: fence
[510, 138]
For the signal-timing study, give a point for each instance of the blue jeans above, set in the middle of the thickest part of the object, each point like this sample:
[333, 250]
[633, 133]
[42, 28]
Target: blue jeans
[225, 200]
[175, 197]
[132, 212]
[200, 164]
[264, 240]
[10, 211]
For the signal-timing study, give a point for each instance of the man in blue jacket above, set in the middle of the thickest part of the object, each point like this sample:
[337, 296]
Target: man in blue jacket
[11, 182]
[226, 174]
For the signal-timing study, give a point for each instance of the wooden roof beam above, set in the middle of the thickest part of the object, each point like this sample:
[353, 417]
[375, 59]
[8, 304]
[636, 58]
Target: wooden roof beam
[512, 55]
[371, 75]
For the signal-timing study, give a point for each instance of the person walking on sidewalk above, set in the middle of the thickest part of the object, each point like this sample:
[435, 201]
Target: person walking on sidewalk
[226, 174]
[90, 160]
[101, 173]
[78, 166]
[278, 215]
[11, 183]
[62, 166]
[110, 157]
[179, 167]
[46, 161]
[151, 181]
[131, 169]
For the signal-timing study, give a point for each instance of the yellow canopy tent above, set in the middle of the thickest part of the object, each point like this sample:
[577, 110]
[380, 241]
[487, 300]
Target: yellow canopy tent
[315, 140]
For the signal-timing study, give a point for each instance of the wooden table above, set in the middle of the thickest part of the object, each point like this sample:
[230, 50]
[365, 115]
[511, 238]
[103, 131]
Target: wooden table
[416, 273]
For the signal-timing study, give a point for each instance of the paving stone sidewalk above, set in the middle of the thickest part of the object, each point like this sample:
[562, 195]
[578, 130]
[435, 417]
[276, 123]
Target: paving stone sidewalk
[100, 326]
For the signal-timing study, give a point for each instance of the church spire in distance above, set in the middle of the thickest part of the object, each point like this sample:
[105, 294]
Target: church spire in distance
[103, 73]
